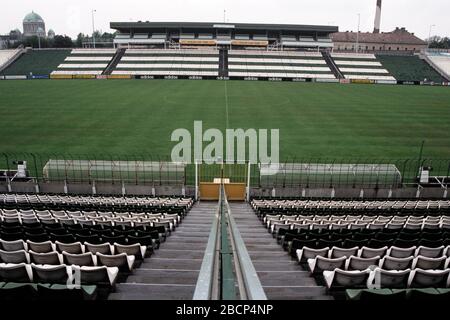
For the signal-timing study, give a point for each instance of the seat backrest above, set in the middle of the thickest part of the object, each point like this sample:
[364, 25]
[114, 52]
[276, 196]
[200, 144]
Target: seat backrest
[389, 278]
[51, 258]
[50, 274]
[19, 256]
[358, 263]
[104, 248]
[82, 259]
[337, 252]
[428, 278]
[397, 252]
[426, 263]
[12, 245]
[40, 247]
[367, 252]
[392, 263]
[74, 248]
[14, 273]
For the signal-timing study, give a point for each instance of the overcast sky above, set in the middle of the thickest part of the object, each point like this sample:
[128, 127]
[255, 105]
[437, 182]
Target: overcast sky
[71, 17]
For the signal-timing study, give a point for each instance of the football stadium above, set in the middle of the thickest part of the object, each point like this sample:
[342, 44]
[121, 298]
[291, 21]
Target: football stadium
[225, 161]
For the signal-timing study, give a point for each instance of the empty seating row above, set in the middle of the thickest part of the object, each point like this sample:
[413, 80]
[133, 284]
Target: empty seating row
[366, 256]
[440, 61]
[20, 250]
[351, 242]
[379, 278]
[69, 234]
[100, 200]
[58, 274]
[266, 206]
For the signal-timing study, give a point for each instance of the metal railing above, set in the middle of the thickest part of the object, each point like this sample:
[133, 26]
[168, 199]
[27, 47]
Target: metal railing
[145, 169]
[226, 262]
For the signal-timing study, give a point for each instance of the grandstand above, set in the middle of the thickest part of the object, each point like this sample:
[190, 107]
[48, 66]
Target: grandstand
[277, 64]
[358, 66]
[6, 56]
[147, 62]
[37, 62]
[409, 68]
[85, 62]
[440, 61]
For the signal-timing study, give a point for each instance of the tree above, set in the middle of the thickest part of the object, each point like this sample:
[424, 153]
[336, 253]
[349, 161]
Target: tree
[80, 39]
[62, 42]
[437, 42]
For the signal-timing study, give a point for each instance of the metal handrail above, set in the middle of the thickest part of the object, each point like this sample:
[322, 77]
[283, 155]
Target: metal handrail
[249, 283]
[208, 277]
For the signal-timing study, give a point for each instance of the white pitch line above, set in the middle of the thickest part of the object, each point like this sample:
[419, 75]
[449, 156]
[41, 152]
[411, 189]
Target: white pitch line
[226, 105]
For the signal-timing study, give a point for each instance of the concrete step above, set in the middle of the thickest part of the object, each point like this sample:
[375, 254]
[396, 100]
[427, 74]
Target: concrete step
[152, 292]
[182, 254]
[163, 276]
[286, 278]
[169, 263]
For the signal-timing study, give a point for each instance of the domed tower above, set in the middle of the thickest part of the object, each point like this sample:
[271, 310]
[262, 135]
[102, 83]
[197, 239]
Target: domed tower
[51, 34]
[33, 25]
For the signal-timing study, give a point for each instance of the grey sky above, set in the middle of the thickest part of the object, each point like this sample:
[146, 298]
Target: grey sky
[71, 17]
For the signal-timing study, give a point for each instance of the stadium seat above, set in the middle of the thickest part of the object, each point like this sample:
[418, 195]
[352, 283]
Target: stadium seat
[308, 253]
[320, 264]
[380, 278]
[337, 252]
[122, 261]
[73, 248]
[396, 252]
[50, 258]
[429, 278]
[366, 252]
[104, 248]
[13, 245]
[346, 279]
[430, 263]
[358, 263]
[391, 263]
[40, 247]
[136, 250]
[59, 274]
[20, 272]
[20, 256]
[81, 259]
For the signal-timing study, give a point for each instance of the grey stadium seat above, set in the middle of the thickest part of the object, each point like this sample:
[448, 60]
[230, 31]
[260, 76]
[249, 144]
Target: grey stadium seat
[426, 263]
[74, 248]
[82, 259]
[380, 278]
[358, 263]
[122, 261]
[13, 245]
[397, 252]
[132, 250]
[391, 263]
[430, 252]
[15, 272]
[52, 258]
[19, 256]
[346, 279]
[366, 252]
[320, 264]
[104, 248]
[307, 253]
[429, 278]
[98, 275]
[40, 247]
[51, 274]
[337, 252]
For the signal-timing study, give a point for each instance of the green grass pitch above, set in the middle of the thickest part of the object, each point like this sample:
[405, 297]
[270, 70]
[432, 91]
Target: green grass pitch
[90, 117]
